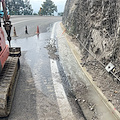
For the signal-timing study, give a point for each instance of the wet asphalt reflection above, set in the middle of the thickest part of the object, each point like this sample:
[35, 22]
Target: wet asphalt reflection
[37, 58]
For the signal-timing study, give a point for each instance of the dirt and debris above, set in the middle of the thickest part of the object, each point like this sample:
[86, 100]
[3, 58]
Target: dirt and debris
[106, 83]
[52, 51]
[81, 93]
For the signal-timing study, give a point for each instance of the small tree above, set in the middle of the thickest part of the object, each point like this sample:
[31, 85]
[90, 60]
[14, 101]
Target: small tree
[60, 14]
[48, 8]
[19, 7]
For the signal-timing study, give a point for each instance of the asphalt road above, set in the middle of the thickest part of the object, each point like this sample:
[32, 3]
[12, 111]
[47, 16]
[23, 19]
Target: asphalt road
[31, 22]
[43, 92]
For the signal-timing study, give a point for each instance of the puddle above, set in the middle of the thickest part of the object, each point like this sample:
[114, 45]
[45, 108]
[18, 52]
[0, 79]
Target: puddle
[34, 48]
[37, 58]
[39, 51]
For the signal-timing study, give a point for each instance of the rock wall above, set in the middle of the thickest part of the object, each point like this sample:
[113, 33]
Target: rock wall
[97, 24]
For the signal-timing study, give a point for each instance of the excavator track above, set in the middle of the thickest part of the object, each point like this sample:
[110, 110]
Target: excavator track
[8, 80]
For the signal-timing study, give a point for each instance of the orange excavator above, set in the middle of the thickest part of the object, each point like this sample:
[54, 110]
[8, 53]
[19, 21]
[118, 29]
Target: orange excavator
[9, 65]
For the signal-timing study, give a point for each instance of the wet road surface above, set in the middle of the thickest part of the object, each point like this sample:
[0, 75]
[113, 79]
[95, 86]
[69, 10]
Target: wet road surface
[43, 92]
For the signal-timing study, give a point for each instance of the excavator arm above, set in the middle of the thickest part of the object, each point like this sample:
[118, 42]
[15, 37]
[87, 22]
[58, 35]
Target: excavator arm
[7, 23]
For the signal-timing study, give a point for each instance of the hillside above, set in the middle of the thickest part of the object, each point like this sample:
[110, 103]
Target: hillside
[96, 25]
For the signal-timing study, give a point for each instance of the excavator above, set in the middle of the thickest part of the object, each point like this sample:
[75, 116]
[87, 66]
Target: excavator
[9, 64]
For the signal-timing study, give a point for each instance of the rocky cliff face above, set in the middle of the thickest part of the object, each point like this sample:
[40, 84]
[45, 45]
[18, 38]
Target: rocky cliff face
[97, 23]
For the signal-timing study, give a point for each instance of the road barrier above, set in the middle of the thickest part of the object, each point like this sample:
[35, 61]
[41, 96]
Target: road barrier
[15, 35]
[26, 31]
[37, 30]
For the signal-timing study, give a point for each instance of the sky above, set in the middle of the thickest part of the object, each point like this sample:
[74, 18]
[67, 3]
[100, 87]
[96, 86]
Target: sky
[36, 4]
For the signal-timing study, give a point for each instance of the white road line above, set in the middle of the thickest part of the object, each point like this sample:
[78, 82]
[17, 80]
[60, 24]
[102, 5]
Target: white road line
[52, 41]
[20, 22]
[64, 106]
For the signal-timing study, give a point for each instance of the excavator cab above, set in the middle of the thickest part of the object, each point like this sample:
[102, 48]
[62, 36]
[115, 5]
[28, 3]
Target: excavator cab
[1, 11]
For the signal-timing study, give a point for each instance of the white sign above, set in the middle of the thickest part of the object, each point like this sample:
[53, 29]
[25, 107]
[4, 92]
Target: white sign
[109, 67]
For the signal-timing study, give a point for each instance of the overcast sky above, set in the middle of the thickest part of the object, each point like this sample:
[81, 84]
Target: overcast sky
[36, 4]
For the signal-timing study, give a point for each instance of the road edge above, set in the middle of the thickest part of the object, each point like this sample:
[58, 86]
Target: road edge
[78, 59]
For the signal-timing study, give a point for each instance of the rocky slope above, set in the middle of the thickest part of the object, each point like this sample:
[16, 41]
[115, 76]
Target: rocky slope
[96, 25]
